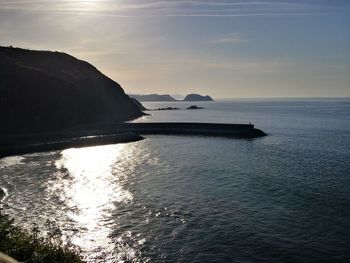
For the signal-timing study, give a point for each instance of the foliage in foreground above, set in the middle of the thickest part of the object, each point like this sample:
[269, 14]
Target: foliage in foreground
[30, 247]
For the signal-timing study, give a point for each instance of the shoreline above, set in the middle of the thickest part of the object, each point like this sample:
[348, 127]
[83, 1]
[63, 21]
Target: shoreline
[65, 143]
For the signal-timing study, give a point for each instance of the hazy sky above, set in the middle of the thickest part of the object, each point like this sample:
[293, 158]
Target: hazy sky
[222, 48]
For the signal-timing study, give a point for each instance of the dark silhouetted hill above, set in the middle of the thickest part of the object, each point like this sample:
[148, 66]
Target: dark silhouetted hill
[153, 97]
[43, 91]
[197, 97]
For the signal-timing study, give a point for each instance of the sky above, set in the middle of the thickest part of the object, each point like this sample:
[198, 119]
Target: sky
[226, 49]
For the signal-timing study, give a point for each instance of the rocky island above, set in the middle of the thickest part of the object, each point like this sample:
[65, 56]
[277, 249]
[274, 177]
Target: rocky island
[197, 97]
[194, 107]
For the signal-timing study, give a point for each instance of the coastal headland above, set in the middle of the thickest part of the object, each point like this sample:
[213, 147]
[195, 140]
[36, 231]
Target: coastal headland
[52, 101]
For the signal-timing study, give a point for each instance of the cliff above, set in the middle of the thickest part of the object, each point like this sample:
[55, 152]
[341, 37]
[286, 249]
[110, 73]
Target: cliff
[43, 91]
[197, 97]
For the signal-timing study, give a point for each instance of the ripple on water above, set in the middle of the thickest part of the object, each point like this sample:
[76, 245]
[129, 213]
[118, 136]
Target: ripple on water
[11, 161]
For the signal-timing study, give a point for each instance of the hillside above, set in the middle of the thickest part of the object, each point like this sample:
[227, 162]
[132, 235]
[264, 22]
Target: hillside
[43, 91]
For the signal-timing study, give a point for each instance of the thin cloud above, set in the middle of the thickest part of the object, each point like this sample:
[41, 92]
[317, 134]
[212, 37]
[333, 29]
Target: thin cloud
[231, 38]
[251, 67]
[244, 15]
[132, 8]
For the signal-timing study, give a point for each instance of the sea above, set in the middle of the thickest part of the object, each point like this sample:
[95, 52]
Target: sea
[284, 197]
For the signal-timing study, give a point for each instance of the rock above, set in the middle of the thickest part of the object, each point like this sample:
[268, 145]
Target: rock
[197, 97]
[168, 108]
[2, 193]
[194, 107]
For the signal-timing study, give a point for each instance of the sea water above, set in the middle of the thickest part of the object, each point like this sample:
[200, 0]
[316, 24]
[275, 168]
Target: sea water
[280, 198]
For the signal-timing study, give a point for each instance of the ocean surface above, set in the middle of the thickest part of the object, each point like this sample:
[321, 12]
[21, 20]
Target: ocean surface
[281, 198]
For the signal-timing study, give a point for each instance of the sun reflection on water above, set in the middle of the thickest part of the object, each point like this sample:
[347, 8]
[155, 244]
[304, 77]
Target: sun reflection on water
[92, 191]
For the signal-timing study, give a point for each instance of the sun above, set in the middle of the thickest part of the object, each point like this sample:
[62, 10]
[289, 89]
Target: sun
[88, 4]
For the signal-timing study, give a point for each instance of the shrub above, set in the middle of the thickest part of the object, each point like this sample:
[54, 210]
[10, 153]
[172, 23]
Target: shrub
[30, 246]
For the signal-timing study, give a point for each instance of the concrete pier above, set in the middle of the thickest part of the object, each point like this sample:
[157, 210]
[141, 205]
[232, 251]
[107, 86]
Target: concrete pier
[118, 133]
[190, 128]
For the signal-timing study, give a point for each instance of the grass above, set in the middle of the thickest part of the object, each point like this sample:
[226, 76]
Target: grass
[31, 246]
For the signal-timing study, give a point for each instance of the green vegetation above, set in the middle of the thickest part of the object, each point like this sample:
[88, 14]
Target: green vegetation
[31, 247]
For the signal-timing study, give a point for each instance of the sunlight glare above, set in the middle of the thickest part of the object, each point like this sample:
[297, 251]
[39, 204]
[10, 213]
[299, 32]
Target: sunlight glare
[88, 5]
[93, 189]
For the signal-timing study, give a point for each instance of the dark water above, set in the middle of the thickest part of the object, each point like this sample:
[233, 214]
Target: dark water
[281, 198]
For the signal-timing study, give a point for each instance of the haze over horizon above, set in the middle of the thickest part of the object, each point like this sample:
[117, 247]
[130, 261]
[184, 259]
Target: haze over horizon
[226, 49]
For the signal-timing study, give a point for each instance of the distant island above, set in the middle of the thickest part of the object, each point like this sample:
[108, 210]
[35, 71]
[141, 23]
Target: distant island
[166, 97]
[197, 97]
[45, 91]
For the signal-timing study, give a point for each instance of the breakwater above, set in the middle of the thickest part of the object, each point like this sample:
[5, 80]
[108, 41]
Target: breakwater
[118, 133]
[190, 128]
